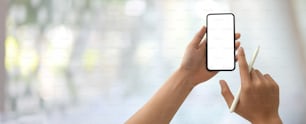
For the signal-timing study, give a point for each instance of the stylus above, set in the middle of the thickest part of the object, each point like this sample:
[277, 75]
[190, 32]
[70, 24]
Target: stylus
[236, 99]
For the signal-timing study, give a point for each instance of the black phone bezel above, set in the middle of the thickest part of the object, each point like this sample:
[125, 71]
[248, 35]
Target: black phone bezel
[207, 31]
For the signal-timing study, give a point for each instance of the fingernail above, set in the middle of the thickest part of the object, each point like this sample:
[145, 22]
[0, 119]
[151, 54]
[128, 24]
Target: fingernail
[241, 51]
[221, 83]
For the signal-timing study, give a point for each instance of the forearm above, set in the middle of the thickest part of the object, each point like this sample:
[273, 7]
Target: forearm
[165, 103]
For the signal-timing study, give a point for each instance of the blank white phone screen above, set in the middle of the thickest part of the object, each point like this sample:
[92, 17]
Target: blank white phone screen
[220, 42]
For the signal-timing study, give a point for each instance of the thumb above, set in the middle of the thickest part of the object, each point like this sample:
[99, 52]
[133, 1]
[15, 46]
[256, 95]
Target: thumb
[226, 93]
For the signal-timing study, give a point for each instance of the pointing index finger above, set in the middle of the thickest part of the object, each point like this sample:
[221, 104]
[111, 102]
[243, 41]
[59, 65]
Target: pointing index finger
[243, 67]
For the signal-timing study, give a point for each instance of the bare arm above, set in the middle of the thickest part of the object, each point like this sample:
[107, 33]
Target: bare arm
[164, 104]
[161, 108]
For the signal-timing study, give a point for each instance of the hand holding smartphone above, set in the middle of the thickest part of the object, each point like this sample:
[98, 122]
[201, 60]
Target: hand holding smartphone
[220, 50]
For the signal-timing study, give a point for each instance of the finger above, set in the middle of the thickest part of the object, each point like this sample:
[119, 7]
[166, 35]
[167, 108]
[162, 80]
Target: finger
[260, 76]
[237, 45]
[203, 45]
[226, 93]
[254, 76]
[243, 67]
[237, 36]
[270, 79]
[198, 37]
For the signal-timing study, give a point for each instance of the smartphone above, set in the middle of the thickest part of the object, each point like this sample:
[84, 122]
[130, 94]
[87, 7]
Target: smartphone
[220, 38]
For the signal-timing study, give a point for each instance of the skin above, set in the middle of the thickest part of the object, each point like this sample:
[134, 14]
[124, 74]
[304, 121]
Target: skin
[259, 98]
[166, 101]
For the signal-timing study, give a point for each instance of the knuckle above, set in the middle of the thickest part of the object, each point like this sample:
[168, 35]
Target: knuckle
[259, 84]
[246, 90]
[244, 64]
[271, 84]
[267, 82]
[246, 87]
[276, 86]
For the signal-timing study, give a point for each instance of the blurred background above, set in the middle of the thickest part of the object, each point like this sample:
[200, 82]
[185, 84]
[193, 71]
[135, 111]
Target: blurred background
[99, 61]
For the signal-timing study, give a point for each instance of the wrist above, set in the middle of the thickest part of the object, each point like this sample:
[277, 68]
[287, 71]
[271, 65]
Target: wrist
[268, 120]
[185, 71]
[185, 75]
